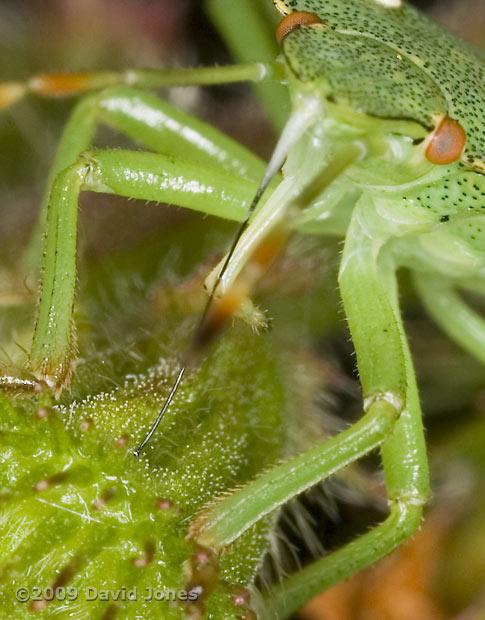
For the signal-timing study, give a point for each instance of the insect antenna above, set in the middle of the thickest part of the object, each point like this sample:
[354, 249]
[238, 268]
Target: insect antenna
[166, 405]
[304, 115]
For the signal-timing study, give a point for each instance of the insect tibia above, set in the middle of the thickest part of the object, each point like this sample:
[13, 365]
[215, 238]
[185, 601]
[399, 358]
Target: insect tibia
[57, 85]
[66, 84]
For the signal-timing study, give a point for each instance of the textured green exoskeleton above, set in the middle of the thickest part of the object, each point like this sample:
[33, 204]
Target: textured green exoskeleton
[384, 147]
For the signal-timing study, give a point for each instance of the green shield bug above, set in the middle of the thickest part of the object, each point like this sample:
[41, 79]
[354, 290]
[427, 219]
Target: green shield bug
[385, 148]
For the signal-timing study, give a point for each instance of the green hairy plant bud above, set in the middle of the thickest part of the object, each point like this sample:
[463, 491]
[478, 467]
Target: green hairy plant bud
[90, 526]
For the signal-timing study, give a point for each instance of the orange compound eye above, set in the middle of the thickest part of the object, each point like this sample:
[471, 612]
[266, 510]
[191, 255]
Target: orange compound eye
[446, 143]
[294, 20]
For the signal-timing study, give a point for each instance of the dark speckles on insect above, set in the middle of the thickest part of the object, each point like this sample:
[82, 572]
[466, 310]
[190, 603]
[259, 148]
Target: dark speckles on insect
[359, 61]
[448, 196]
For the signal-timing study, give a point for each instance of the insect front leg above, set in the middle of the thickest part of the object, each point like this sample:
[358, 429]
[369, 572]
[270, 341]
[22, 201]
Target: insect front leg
[79, 133]
[151, 122]
[216, 176]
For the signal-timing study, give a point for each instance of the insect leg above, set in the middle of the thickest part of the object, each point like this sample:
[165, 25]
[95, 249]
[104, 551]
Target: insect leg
[452, 314]
[386, 382]
[151, 122]
[134, 174]
[228, 518]
[162, 128]
[369, 291]
[392, 420]
[77, 137]
[67, 84]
